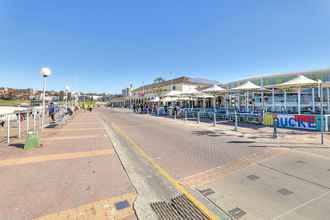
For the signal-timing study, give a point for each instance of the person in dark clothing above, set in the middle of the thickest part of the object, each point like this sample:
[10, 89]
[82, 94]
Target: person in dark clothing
[51, 111]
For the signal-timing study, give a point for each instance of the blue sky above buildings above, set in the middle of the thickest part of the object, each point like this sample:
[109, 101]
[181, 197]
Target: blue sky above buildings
[104, 45]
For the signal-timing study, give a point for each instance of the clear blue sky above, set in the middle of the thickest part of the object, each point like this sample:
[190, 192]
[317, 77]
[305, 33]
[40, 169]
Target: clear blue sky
[103, 45]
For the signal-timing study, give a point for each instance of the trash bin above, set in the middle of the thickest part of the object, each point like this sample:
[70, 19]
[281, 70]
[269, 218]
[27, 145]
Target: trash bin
[32, 141]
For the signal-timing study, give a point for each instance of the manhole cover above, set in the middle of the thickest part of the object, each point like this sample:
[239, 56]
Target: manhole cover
[207, 192]
[252, 177]
[178, 207]
[237, 213]
[122, 205]
[284, 192]
[301, 161]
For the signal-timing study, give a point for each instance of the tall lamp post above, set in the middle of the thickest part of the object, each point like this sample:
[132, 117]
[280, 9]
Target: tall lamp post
[67, 89]
[319, 82]
[45, 72]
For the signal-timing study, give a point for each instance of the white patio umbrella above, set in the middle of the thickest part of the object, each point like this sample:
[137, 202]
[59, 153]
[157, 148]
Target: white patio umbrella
[172, 93]
[169, 99]
[193, 92]
[298, 82]
[246, 87]
[215, 89]
[155, 99]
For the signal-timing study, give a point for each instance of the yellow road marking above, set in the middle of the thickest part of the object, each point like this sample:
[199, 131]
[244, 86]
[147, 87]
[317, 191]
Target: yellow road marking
[72, 137]
[74, 129]
[100, 210]
[167, 176]
[50, 157]
[84, 121]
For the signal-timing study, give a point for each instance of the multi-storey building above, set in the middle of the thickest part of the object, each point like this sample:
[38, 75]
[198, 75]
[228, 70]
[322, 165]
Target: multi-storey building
[146, 93]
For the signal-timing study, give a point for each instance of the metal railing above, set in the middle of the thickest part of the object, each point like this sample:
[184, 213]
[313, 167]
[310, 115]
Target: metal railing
[20, 123]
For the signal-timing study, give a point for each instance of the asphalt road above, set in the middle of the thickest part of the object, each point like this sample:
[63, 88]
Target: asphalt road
[183, 150]
[247, 181]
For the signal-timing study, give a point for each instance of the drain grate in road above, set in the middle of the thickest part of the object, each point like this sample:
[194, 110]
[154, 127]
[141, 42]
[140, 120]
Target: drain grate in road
[207, 192]
[301, 161]
[252, 177]
[179, 208]
[284, 191]
[237, 213]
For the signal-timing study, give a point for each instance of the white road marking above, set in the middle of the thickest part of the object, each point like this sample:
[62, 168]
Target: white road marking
[302, 205]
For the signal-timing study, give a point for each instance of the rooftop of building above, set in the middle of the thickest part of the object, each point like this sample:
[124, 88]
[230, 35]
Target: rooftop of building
[182, 79]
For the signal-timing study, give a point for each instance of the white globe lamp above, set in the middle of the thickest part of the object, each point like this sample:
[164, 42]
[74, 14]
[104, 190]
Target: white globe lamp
[45, 72]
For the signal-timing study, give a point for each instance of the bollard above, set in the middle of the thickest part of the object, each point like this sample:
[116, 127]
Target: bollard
[32, 141]
[174, 114]
[214, 119]
[275, 128]
[236, 121]
[34, 122]
[185, 115]
[8, 129]
[158, 112]
[19, 125]
[322, 130]
[198, 119]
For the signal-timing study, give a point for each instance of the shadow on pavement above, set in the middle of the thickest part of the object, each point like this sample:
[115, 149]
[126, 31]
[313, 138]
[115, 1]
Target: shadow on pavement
[241, 142]
[17, 145]
[287, 146]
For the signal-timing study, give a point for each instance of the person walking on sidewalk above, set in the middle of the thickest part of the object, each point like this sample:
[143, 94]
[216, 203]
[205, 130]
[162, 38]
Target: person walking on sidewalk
[51, 111]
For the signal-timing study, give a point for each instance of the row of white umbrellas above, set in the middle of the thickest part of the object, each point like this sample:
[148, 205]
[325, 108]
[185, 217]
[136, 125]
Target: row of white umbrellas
[299, 81]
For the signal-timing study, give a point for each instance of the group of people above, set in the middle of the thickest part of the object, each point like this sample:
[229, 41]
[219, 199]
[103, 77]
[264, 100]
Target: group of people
[155, 108]
[144, 108]
[53, 109]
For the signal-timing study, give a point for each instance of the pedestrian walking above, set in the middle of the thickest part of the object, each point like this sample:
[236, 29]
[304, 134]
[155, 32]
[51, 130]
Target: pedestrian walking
[51, 111]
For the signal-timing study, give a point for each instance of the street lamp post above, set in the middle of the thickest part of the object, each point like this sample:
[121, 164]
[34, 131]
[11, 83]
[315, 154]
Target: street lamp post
[45, 72]
[67, 89]
[321, 103]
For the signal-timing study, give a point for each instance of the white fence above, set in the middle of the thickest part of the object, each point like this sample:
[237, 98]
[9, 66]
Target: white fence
[20, 123]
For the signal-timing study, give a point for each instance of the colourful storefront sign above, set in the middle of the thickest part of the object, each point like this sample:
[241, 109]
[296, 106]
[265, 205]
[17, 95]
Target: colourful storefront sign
[306, 122]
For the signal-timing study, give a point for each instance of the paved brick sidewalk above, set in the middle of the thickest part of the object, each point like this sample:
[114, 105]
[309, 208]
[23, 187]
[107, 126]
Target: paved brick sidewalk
[75, 175]
[262, 134]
